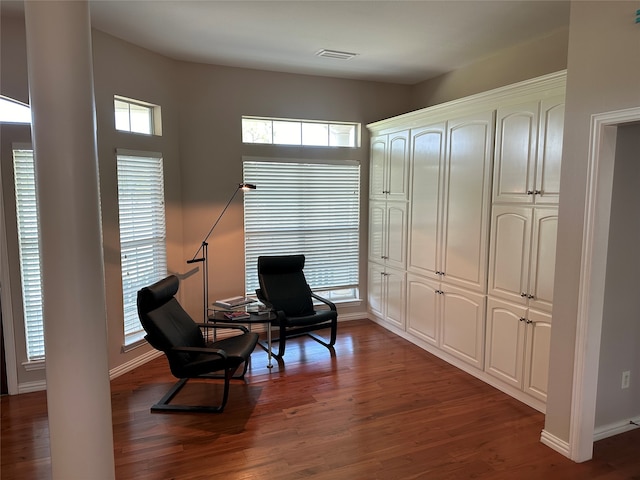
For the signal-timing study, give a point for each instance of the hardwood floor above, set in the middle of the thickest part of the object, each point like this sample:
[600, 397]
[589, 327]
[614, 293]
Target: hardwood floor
[379, 408]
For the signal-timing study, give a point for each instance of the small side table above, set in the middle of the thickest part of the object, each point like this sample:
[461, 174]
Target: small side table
[266, 318]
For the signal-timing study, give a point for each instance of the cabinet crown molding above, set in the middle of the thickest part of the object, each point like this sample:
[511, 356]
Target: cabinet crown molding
[535, 88]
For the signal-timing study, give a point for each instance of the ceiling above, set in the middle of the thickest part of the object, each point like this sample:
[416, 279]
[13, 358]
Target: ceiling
[396, 41]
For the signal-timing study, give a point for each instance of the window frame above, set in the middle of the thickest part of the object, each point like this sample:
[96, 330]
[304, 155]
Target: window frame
[30, 269]
[154, 117]
[300, 124]
[151, 221]
[346, 227]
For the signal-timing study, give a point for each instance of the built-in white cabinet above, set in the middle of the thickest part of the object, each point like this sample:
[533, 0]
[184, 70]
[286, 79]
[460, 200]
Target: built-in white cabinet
[387, 232]
[517, 346]
[451, 318]
[389, 166]
[386, 294]
[523, 254]
[462, 230]
[529, 151]
[450, 200]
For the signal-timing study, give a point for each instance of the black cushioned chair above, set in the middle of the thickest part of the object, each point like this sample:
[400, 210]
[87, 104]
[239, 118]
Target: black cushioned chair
[284, 288]
[171, 330]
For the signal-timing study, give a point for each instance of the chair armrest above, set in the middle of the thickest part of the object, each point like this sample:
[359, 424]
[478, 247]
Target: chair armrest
[331, 305]
[263, 299]
[203, 350]
[223, 325]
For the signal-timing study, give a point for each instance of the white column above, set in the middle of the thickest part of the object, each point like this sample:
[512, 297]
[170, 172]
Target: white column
[60, 66]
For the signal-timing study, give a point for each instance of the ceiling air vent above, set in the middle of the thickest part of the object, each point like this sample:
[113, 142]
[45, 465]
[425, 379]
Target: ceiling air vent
[335, 54]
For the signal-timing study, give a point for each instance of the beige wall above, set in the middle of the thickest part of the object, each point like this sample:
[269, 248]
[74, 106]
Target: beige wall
[123, 69]
[515, 64]
[213, 100]
[603, 75]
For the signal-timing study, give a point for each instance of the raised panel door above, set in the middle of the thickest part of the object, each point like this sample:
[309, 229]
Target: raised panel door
[428, 150]
[397, 184]
[377, 166]
[515, 156]
[506, 327]
[375, 289]
[463, 314]
[538, 339]
[377, 230]
[422, 308]
[395, 297]
[467, 195]
[543, 258]
[550, 150]
[396, 228]
[509, 252]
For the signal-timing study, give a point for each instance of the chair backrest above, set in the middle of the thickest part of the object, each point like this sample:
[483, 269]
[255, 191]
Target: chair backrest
[284, 285]
[166, 323]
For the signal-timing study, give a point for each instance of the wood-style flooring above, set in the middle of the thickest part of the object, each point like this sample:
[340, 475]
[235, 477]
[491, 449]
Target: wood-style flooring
[378, 407]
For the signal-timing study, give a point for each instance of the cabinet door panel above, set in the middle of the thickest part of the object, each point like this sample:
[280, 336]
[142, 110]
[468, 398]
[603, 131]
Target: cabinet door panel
[377, 165]
[395, 297]
[463, 324]
[375, 289]
[536, 371]
[505, 341]
[398, 166]
[428, 146]
[543, 257]
[396, 234]
[377, 229]
[509, 253]
[550, 150]
[515, 158]
[465, 240]
[422, 308]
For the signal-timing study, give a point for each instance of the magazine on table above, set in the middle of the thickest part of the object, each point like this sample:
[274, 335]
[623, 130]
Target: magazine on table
[233, 302]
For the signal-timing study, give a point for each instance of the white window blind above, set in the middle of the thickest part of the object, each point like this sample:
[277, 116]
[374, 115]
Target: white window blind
[306, 208]
[142, 232]
[27, 219]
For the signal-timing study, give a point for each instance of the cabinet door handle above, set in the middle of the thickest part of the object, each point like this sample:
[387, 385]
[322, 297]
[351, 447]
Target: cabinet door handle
[529, 321]
[530, 192]
[523, 295]
[522, 319]
[537, 192]
[530, 296]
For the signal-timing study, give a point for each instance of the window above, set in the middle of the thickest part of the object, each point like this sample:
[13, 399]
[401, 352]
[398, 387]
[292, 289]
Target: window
[308, 208]
[29, 250]
[142, 231]
[295, 132]
[12, 111]
[136, 117]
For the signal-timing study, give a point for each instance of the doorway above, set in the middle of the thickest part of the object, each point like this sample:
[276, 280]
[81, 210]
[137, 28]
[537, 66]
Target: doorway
[593, 288]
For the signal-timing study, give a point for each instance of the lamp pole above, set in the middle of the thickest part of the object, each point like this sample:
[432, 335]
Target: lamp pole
[204, 246]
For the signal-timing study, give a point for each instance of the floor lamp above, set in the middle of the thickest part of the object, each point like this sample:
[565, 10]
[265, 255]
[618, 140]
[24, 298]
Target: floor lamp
[204, 247]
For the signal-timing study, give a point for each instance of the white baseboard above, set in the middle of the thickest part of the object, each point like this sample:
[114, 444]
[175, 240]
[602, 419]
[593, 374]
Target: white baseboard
[131, 364]
[555, 443]
[616, 428]
[28, 387]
